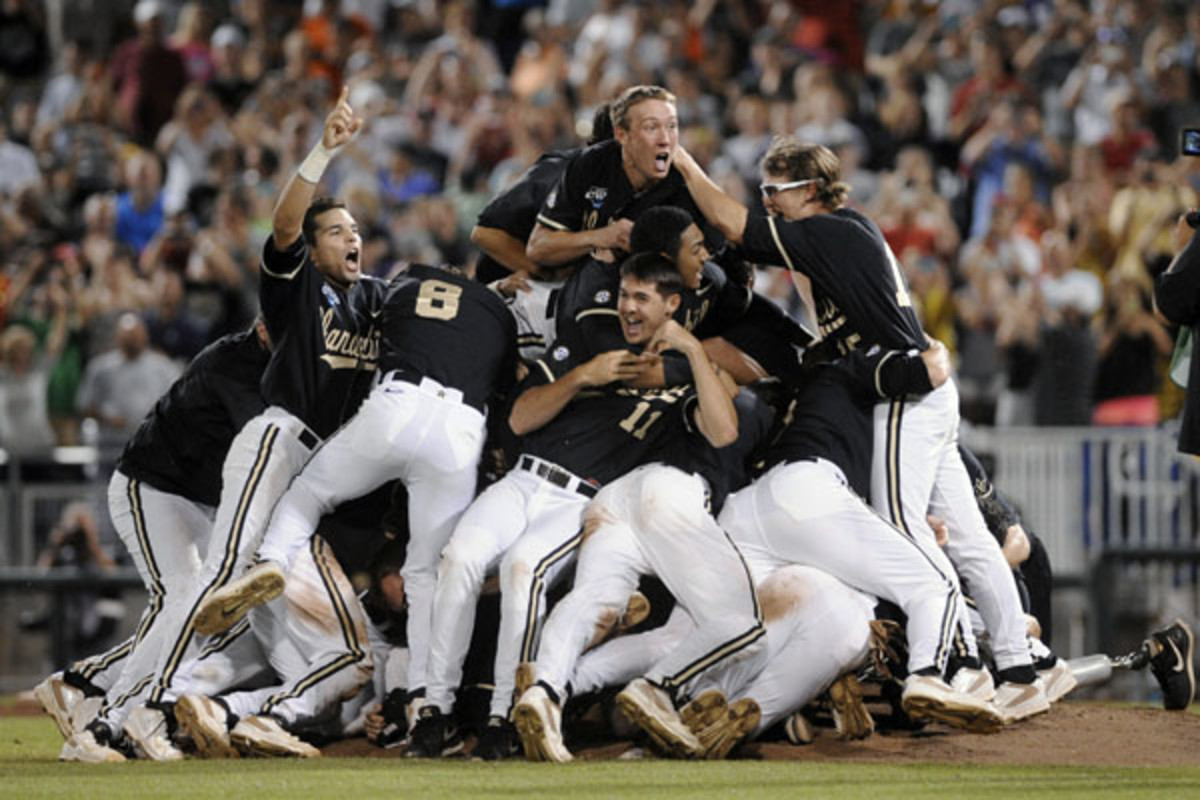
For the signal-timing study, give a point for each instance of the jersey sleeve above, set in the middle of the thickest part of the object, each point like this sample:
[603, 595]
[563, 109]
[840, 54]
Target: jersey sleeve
[563, 207]
[282, 273]
[807, 246]
[888, 373]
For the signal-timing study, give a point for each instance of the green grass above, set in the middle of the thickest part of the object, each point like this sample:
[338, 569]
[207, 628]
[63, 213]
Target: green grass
[29, 747]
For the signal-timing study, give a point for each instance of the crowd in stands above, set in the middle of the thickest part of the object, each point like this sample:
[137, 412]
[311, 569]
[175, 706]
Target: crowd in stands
[1021, 157]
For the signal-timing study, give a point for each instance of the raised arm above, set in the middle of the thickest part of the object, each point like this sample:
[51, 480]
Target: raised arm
[721, 210]
[716, 415]
[340, 127]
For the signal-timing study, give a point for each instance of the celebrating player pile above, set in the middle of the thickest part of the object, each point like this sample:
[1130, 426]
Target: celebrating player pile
[778, 518]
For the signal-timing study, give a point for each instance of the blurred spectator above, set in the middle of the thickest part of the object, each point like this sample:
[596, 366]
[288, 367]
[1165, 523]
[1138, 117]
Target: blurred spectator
[64, 88]
[1067, 350]
[1127, 138]
[188, 143]
[147, 76]
[89, 618]
[120, 386]
[190, 40]
[1103, 70]
[23, 32]
[229, 83]
[18, 165]
[1141, 214]
[24, 383]
[172, 328]
[1132, 345]
[140, 209]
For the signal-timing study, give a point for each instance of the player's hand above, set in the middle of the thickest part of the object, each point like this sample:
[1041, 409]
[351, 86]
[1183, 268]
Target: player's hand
[941, 531]
[517, 282]
[342, 123]
[615, 365]
[1183, 231]
[615, 235]
[937, 362]
[373, 723]
[673, 336]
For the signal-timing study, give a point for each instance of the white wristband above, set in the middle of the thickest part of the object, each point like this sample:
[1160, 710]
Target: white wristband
[313, 166]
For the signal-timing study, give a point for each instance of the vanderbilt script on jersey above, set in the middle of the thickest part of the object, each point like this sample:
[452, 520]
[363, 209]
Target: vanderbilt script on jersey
[346, 350]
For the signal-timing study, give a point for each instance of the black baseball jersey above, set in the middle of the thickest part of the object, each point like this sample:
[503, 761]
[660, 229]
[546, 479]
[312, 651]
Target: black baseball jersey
[604, 433]
[442, 325]
[181, 445]
[586, 318]
[860, 293]
[832, 415]
[725, 468]
[325, 342]
[768, 335]
[594, 191]
[515, 209]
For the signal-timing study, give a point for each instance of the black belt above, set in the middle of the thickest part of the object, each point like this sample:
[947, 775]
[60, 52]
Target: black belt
[309, 439]
[559, 477]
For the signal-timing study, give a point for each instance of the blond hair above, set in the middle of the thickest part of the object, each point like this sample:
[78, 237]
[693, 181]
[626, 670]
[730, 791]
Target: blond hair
[619, 109]
[799, 161]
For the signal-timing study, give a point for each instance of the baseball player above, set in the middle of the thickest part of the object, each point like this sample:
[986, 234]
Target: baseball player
[586, 315]
[580, 434]
[656, 520]
[607, 187]
[817, 629]
[506, 222]
[449, 344]
[319, 311]
[862, 300]
[162, 498]
[315, 639]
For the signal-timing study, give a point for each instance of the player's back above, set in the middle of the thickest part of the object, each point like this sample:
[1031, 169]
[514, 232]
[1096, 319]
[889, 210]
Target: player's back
[441, 325]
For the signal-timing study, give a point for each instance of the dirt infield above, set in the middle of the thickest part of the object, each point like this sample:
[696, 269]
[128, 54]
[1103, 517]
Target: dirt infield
[1072, 734]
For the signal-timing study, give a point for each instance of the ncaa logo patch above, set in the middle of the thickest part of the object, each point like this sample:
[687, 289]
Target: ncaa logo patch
[603, 296]
[596, 195]
[560, 353]
[330, 294]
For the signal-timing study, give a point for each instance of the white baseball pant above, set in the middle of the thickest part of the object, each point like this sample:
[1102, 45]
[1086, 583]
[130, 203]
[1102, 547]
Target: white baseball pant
[530, 527]
[816, 631]
[427, 437]
[917, 469]
[166, 536]
[654, 521]
[314, 638]
[803, 512]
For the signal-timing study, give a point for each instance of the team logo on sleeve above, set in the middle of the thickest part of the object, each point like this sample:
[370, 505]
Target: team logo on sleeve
[560, 353]
[552, 198]
[596, 195]
[603, 296]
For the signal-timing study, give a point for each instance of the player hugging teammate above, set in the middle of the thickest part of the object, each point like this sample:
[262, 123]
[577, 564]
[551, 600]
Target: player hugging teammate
[663, 426]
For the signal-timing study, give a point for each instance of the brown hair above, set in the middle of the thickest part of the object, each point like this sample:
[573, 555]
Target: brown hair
[800, 161]
[619, 108]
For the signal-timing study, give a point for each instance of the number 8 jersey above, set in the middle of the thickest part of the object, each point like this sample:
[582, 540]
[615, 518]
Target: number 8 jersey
[442, 325]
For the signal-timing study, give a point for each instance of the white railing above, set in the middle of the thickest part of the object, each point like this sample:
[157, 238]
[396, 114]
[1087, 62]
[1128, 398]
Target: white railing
[1088, 492]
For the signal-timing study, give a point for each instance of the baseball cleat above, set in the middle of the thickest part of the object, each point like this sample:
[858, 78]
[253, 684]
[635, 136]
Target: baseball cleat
[976, 682]
[83, 746]
[798, 729]
[1058, 680]
[539, 722]
[707, 709]
[1172, 664]
[146, 729]
[498, 740]
[740, 719]
[434, 735]
[206, 722]
[223, 608]
[850, 715]
[927, 697]
[59, 699]
[651, 709]
[1018, 701]
[264, 736]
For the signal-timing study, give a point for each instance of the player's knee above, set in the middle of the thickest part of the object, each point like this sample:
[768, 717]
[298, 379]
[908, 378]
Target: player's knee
[461, 562]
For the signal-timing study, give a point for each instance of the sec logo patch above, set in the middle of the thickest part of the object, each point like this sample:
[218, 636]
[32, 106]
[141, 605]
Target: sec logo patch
[603, 296]
[560, 353]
